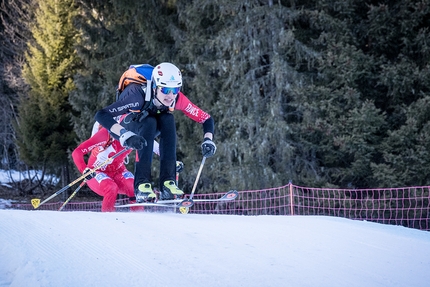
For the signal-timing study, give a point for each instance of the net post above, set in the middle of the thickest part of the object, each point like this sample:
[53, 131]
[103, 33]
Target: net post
[290, 186]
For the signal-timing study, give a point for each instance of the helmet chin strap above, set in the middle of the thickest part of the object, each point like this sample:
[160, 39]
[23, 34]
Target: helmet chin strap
[172, 106]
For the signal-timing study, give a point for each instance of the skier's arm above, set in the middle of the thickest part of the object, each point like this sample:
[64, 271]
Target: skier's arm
[208, 128]
[98, 139]
[132, 99]
[196, 114]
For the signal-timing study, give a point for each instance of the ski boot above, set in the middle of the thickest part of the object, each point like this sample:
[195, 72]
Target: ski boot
[145, 193]
[170, 191]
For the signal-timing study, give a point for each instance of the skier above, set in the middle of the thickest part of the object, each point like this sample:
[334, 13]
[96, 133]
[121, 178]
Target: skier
[111, 179]
[147, 119]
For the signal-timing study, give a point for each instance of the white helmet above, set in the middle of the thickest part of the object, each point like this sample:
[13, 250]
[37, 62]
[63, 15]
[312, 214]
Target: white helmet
[166, 75]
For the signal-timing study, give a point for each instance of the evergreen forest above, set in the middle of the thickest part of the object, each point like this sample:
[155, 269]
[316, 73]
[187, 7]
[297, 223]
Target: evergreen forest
[324, 93]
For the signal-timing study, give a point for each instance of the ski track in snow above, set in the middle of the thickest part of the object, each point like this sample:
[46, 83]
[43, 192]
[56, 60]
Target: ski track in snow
[45, 248]
[48, 243]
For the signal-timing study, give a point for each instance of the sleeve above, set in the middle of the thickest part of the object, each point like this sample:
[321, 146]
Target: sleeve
[131, 99]
[195, 113]
[98, 139]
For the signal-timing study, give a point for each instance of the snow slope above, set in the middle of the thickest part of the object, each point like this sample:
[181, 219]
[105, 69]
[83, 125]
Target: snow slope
[49, 248]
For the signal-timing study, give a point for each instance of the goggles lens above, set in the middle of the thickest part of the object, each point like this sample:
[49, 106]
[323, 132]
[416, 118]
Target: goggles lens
[166, 90]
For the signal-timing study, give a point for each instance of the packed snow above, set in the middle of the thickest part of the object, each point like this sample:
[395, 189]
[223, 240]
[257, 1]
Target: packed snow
[50, 248]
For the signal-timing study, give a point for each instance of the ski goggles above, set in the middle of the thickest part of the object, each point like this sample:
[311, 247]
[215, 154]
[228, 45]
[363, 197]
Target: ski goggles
[167, 90]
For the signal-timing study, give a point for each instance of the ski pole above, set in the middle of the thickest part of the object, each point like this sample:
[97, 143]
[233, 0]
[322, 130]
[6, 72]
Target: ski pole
[179, 169]
[73, 194]
[197, 178]
[36, 202]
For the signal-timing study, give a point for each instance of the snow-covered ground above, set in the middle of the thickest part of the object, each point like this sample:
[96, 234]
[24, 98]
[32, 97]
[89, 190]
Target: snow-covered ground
[8, 176]
[50, 248]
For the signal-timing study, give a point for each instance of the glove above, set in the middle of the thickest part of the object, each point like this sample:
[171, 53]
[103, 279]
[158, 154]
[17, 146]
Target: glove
[135, 117]
[131, 140]
[179, 166]
[89, 176]
[141, 116]
[208, 148]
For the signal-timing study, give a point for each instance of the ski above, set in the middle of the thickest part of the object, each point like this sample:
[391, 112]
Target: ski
[163, 203]
[177, 203]
[231, 195]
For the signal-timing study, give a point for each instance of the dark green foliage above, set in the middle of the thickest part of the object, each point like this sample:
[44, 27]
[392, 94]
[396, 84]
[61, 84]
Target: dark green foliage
[406, 150]
[323, 93]
[43, 138]
[367, 75]
[116, 34]
[302, 91]
[15, 15]
[242, 78]
[44, 130]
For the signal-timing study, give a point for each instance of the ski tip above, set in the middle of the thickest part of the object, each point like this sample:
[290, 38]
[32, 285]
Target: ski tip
[232, 194]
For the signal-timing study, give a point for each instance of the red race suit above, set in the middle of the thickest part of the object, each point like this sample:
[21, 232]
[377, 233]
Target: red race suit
[111, 179]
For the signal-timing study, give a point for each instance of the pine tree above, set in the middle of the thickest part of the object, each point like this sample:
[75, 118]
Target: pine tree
[407, 150]
[45, 133]
[341, 127]
[15, 16]
[398, 35]
[116, 34]
[244, 61]
[319, 92]
[299, 85]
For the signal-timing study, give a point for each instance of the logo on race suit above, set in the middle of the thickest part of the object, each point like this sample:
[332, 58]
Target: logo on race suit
[127, 174]
[101, 176]
[192, 110]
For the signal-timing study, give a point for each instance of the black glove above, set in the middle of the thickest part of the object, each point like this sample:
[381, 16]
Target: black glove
[208, 148]
[141, 116]
[90, 175]
[135, 117]
[179, 166]
[131, 140]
